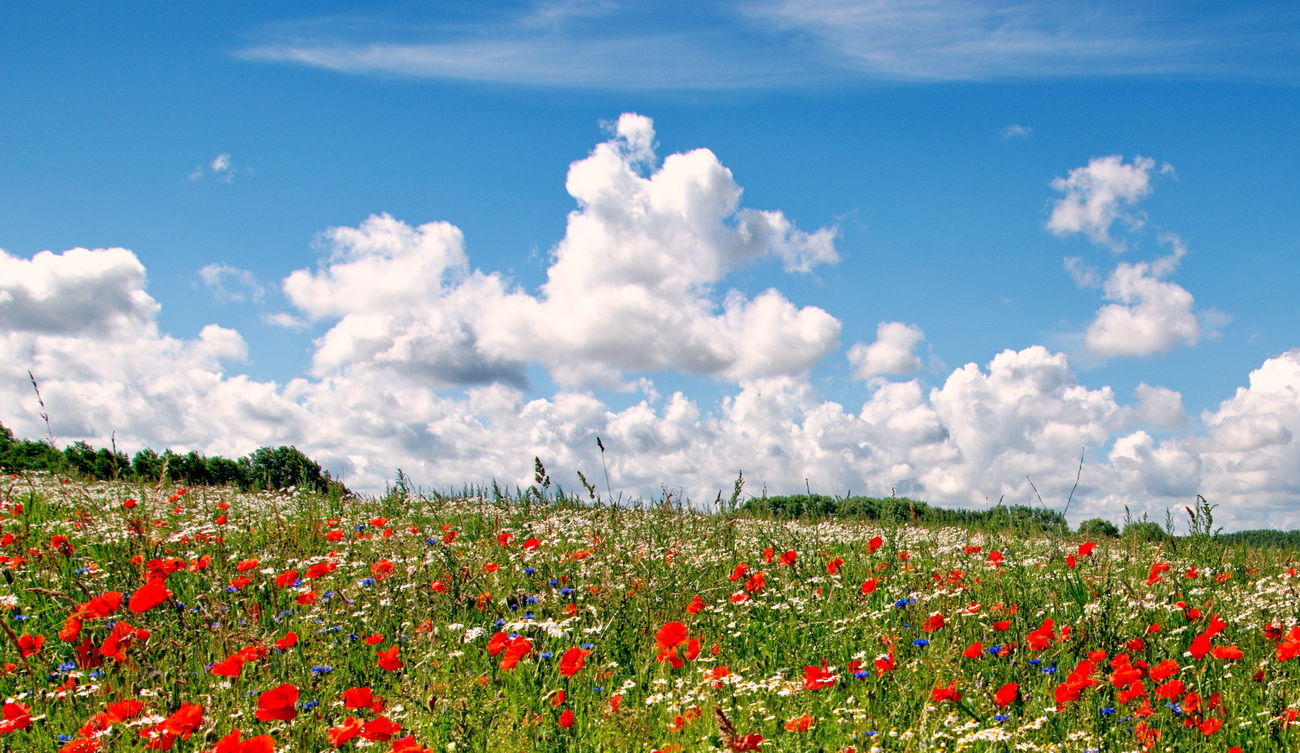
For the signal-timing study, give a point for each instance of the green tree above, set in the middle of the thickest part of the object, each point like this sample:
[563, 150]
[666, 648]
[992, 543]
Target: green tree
[282, 467]
[1098, 528]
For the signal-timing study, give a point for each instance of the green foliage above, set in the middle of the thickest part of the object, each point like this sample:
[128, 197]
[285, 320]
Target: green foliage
[906, 510]
[24, 454]
[1146, 531]
[283, 467]
[1098, 528]
[265, 468]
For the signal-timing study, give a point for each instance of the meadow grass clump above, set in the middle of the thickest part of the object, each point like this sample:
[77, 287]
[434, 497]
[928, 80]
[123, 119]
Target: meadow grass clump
[207, 619]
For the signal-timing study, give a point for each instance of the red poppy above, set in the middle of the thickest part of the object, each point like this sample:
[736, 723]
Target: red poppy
[868, 586]
[789, 558]
[566, 719]
[287, 642]
[286, 578]
[875, 544]
[974, 650]
[122, 637]
[29, 644]
[15, 716]
[1006, 694]
[149, 596]
[321, 569]
[380, 729]
[228, 667]
[799, 723]
[816, 678]
[350, 728]
[949, 693]
[1164, 670]
[519, 648]
[102, 605]
[278, 704]
[672, 634]
[1200, 646]
[247, 564]
[1290, 647]
[571, 661]
[1042, 637]
[362, 698]
[1228, 653]
[497, 643]
[695, 606]
[388, 659]
[381, 569]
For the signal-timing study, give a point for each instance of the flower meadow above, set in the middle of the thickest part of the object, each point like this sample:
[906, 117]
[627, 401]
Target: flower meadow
[208, 620]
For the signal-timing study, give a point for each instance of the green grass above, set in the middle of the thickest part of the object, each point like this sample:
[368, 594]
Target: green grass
[608, 580]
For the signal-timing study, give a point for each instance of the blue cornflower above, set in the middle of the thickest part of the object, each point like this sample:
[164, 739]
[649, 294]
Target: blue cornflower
[367, 581]
[1108, 711]
[530, 600]
[861, 674]
[529, 570]
[309, 705]
[321, 669]
[587, 646]
[994, 650]
[920, 642]
[546, 655]
[566, 591]
[1000, 717]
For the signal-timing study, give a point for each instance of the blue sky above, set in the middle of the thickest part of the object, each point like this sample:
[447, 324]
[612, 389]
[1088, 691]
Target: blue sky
[864, 281]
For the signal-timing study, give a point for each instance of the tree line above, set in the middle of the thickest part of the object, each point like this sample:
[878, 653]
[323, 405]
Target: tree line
[264, 468]
[907, 510]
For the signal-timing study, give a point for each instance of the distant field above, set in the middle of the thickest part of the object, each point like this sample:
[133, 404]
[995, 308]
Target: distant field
[203, 619]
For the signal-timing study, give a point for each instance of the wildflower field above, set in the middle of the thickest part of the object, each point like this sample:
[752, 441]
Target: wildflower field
[161, 618]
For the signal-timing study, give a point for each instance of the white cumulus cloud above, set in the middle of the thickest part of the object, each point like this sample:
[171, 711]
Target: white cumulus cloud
[77, 292]
[1098, 195]
[1148, 315]
[634, 285]
[893, 352]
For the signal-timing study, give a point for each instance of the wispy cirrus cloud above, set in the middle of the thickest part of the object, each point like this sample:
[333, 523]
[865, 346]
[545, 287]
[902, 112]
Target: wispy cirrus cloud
[946, 40]
[577, 44]
[774, 43]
